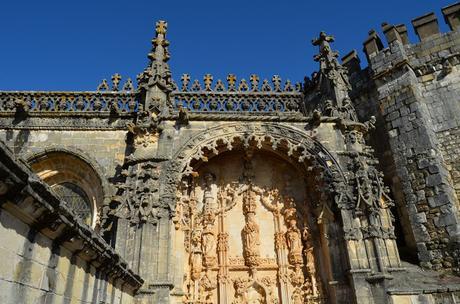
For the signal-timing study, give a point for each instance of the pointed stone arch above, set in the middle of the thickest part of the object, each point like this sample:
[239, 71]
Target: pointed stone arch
[286, 141]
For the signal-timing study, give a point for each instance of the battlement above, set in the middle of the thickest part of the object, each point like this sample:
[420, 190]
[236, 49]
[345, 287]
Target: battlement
[431, 39]
[425, 27]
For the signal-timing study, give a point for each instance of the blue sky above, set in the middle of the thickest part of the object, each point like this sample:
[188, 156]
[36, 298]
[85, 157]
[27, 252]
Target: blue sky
[72, 45]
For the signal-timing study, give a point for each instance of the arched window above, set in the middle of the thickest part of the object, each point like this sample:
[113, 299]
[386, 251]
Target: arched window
[74, 180]
[76, 199]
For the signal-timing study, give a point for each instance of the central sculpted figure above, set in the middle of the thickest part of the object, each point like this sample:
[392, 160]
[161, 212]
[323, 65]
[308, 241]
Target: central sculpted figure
[251, 240]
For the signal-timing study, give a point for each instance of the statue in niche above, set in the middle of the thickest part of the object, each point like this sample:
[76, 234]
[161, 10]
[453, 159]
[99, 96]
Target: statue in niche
[208, 238]
[196, 255]
[294, 242]
[311, 286]
[251, 241]
[209, 199]
[293, 235]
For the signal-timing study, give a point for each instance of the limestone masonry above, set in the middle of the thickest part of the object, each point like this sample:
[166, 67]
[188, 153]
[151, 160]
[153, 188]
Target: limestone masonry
[343, 188]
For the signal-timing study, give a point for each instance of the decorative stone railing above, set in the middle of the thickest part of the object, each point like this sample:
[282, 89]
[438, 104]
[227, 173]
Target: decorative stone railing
[269, 97]
[237, 97]
[119, 102]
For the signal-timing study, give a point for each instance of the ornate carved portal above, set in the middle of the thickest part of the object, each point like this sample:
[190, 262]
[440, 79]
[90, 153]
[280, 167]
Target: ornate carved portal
[245, 224]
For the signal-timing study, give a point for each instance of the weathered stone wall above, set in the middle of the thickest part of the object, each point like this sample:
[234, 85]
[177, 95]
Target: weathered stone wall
[34, 270]
[450, 147]
[105, 148]
[414, 88]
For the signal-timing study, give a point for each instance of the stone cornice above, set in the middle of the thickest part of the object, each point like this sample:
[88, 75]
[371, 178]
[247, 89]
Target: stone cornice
[29, 199]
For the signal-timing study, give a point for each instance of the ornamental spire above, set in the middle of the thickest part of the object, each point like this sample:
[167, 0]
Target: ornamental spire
[332, 77]
[156, 79]
[160, 44]
[330, 85]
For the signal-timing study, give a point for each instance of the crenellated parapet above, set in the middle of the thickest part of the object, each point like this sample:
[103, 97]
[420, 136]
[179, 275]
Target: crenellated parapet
[434, 48]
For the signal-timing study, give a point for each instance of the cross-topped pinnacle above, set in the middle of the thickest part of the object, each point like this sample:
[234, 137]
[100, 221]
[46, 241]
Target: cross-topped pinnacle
[332, 76]
[325, 51]
[323, 39]
[161, 27]
[326, 56]
[160, 44]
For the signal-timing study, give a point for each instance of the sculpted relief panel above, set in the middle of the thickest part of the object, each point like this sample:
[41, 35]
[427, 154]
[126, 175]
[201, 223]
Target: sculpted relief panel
[244, 222]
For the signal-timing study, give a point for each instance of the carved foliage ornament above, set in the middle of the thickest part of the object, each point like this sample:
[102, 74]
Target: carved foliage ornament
[268, 136]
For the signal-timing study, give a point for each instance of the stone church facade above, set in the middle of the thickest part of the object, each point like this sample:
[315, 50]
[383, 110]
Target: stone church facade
[341, 189]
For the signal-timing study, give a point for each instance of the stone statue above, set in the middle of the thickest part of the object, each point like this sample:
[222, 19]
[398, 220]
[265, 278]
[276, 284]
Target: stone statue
[251, 241]
[294, 243]
[196, 255]
[209, 200]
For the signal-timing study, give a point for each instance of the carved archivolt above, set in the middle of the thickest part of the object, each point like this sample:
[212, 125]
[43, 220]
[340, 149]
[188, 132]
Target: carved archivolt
[279, 138]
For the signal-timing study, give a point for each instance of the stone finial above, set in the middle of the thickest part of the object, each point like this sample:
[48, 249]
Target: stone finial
[128, 86]
[103, 86]
[372, 44]
[185, 81]
[426, 26]
[115, 81]
[156, 79]
[254, 79]
[207, 79]
[231, 80]
[160, 50]
[452, 15]
[276, 79]
[326, 55]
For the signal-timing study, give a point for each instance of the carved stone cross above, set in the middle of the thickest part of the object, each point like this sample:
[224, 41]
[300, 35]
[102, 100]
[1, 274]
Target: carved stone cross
[185, 81]
[276, 83]
[115, 81]
[231, 79]
[254, 82]
[161, 27]
[207, 82]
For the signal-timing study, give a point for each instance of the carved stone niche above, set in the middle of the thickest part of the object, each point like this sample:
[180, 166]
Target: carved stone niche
[243, 231]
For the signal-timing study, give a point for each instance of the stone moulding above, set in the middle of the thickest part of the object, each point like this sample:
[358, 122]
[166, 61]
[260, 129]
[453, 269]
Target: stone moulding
[28, 198]
[299, 146]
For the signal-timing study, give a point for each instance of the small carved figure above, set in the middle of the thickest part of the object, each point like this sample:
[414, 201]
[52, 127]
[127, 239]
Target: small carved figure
[294, 243]
[209, 200]
[196, 255]
[251, 241]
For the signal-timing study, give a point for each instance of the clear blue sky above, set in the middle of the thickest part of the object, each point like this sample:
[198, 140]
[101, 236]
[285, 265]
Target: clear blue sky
[72, 45]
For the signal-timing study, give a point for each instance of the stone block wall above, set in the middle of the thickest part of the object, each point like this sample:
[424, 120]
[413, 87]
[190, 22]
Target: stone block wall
[415, 89]
[33, 270]
[450, 147]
